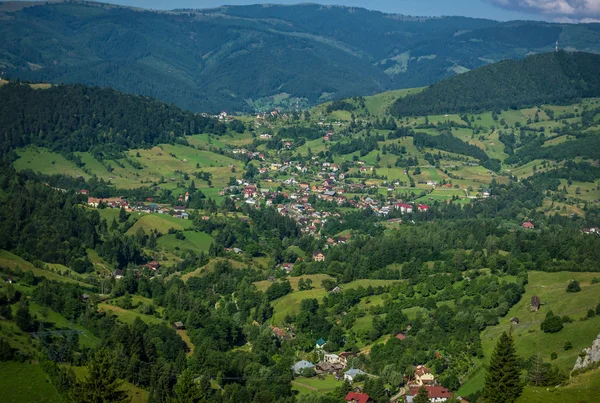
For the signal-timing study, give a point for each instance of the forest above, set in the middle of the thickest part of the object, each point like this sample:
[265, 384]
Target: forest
[75, 118]
[549, 78]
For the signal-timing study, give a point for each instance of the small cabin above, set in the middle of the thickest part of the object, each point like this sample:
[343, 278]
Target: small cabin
[535, 303]
[178, 326]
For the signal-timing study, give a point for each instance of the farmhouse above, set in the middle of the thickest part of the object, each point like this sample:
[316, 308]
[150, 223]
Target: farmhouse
[423, 375]
[354, 397]
[528, 225]
[401, 336]
[437, 394]
[353, 373]
[153, 265]
[318, 256]
[118, 274]
[423, 207]
[404, 208]
[301, 365]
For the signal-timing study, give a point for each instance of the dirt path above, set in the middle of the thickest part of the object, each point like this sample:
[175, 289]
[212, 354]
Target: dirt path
[304, 386]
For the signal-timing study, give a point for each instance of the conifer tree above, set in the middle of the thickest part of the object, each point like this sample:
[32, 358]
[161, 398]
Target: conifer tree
[101, 384]
[502, 382]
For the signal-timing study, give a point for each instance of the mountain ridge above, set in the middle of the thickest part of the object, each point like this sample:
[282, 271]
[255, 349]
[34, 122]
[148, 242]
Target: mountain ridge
[247, 58]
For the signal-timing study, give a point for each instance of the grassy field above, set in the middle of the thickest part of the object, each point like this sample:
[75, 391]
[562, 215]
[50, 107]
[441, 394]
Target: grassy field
[315, 278]
[529, 339]
[47, 315]
[13, 261]
[581, 389]
[315, 385]
[127, 316]
[47, 162]
[194, 241]
[290, 304]
[159, 222]
[210, 266]
[24, 382]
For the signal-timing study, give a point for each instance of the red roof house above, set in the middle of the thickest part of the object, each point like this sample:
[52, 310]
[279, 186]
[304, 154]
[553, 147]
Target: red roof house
[354, 397]
[436, 393]
[401, 336]
[423, 207]
[528, 225]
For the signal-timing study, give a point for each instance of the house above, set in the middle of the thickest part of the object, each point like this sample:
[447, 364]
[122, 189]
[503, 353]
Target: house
[423, 207]
[423, 375]
[336, 290]
[318, 256]
[404, 208]
[279, 332]
[178, 326]
[301, 365]
[487, 192]
[118, 274]
[288, 267]
[353, 373]
[332, 358]
[535, 303]
[401, 336]
[266, 136]
[437, 394]
[345, 356]
[185, 216]
[354, 397]
[320, 343]
[528, 225]
[153, 265]
[179, 209]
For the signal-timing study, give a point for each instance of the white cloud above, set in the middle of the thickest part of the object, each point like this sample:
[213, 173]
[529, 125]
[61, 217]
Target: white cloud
[565, 10]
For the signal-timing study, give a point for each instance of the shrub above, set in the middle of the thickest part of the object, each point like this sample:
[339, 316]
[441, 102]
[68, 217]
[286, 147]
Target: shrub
[553, 356]
[568, 345]
[591, 313]
[573, 286]
[552, 324]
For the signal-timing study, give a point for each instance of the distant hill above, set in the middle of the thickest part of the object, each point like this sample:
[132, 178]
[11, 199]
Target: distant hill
[555, 78]
[75, 118]
[258, 57]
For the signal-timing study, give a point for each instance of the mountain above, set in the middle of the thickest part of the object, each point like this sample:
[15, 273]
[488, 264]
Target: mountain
[258, 57]
[557, 78]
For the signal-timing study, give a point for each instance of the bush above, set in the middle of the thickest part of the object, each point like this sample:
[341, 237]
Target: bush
[591, 313]
[553, 356]
[552, 324]
[573, 286]
[568, 345]
[567, 319]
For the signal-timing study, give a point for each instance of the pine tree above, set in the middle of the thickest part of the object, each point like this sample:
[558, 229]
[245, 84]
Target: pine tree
[101, 384]
[502, 382]
[186, 390]
[422, 396]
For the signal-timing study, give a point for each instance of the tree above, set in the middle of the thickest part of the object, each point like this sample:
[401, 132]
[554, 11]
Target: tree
[422, 396]
[186, 390]
[552, 323]
[123, 215]
[502, 381]
[573, 286]
[101, 384]
[23, 318]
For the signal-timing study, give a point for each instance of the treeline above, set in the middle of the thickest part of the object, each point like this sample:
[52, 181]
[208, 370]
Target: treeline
[75, 118]
[365, 145]
[297, 132]
[550, 78]
[448, 142]
[586, 146]
[340, 106]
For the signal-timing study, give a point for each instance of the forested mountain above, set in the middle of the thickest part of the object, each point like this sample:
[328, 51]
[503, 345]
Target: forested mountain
[75, 118]
[557, 78]
[238, 58]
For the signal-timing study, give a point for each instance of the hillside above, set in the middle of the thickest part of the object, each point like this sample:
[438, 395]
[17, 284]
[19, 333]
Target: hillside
[75, 118]
[259, 57]
[551, 78]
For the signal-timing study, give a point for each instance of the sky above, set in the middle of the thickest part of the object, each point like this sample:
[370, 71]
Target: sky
[503, 10]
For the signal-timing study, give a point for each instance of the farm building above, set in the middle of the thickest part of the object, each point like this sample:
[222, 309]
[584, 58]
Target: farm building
[535, 303]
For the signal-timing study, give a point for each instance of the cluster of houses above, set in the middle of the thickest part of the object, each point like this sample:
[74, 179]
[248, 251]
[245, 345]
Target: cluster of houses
[118, 202]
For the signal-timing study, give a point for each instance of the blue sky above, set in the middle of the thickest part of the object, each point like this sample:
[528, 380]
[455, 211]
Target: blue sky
[493, 9]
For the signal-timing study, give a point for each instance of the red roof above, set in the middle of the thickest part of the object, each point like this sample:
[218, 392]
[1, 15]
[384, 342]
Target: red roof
[401, 336]
[528, 224]
[423, 207]
[357, 397]
[421, 370]
[435, 392]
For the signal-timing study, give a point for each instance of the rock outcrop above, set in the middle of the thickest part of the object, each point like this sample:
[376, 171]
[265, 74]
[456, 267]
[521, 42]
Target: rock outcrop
[592, 355]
